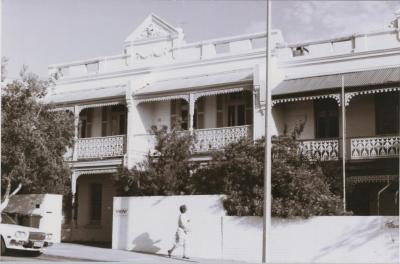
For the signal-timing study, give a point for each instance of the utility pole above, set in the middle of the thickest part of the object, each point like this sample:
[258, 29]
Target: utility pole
[344, 144]
[267, 162]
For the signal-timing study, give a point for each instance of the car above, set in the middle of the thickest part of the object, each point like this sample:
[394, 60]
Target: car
[14, 236]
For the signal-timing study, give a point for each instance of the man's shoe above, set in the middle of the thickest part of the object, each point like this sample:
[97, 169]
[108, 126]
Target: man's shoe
[184, 257]
[169, 253]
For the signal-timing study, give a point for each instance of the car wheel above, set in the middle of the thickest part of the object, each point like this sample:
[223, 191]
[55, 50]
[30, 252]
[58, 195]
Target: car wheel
[2, 247]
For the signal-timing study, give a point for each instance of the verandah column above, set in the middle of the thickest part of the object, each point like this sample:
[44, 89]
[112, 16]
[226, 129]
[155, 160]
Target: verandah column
[76, 131]
[192, 102]
[130, 127]
[74, 178]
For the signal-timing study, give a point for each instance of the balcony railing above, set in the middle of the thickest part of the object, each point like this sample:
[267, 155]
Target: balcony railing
[101, 147]
[320, 149]
[217, 138]
[375, 147]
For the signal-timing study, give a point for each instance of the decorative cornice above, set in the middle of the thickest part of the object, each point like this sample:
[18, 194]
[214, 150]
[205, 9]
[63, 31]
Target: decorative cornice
[167, 67]
[337, 97]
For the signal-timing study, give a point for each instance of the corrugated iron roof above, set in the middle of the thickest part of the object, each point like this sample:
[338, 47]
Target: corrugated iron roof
[89, 94]
[197, 81]
[351, 79]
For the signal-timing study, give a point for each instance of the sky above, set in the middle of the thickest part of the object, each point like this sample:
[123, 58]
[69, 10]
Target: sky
[42, 32]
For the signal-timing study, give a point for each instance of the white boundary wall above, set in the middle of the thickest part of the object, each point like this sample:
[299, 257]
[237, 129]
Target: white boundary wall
[148, 224]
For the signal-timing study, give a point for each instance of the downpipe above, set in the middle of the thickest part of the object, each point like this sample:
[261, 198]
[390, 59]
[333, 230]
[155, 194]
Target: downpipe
[379, 195]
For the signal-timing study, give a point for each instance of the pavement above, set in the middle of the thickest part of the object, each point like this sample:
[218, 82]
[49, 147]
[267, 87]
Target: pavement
[71, 252]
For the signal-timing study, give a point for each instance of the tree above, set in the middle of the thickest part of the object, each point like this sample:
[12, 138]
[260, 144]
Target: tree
[166, 171]
[299, 187]
[34, 138]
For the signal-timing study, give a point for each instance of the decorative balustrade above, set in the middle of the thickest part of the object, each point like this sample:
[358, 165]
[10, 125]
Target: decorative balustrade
[218, 138]
[187, 51]
[375, 147]
[101, 147]
[320, 149]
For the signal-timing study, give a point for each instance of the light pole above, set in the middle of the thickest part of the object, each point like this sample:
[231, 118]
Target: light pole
[267, 162]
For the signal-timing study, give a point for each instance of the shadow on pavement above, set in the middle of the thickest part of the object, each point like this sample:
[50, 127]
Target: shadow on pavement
[92, 244]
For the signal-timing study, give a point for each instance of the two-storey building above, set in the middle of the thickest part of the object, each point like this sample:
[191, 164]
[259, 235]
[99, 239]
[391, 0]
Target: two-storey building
[208, 87]
[216, 89]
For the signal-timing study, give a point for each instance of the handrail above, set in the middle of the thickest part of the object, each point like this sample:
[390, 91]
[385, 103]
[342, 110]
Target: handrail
[89, 138]
[379, 194]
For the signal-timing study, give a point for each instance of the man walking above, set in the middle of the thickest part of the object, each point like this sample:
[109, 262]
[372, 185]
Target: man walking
[181, 233]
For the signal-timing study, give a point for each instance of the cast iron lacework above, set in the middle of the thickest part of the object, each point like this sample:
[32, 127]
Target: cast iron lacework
[375, 147]
[320, 149]
[101, 147]
[218, 138]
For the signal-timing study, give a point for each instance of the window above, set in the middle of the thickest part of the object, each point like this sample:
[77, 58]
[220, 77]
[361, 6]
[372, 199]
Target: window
[387, 113]
[240, 109]
[95, 203]
[179, 113]
[248, 97]
[104, 121]
[326, 119]
[86, 123]
[198, 118]
[118, 120]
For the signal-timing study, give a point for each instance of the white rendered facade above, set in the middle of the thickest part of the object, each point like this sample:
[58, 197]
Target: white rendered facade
[217, 88]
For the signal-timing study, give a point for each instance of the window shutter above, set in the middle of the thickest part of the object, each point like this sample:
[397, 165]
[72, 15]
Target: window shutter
[104, 121]
[220, 110]
[249, 107]
[199, 124]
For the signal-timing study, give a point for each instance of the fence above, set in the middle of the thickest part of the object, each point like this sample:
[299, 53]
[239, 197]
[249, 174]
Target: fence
[148, 224]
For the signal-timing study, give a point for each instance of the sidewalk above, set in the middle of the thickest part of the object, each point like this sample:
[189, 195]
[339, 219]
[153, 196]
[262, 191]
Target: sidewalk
[91, 253]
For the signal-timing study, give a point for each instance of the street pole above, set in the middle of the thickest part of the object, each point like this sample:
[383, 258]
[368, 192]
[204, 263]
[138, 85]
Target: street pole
[344, 144]
[267, 162]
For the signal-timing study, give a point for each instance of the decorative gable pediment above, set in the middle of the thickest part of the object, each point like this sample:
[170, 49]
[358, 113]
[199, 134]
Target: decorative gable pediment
[152, 28]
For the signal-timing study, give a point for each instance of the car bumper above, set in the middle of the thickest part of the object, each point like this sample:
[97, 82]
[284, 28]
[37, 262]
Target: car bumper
[28, 245]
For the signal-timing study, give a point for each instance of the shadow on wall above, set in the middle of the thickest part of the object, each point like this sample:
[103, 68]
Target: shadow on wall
[143, 242]
[353, 238]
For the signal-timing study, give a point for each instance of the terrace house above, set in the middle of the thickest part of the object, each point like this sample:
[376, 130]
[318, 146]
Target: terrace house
[216, 89]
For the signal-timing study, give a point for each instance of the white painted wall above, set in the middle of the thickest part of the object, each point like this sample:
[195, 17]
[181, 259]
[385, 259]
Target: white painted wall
[210, 112]
[335, 239]
[149, 225]
[161, 113]
[292, 114]
[51, 220]
[360, 116]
